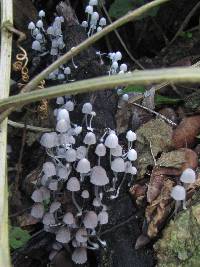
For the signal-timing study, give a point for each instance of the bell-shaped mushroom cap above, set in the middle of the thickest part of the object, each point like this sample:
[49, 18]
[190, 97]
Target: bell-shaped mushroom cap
[49, 140]
[85, 194]
[45, 193]
[87, 108]
[53, 185]
[37, 196]
[41, 194]
[103, 217]
[78, 130]
[49, 169]
[60, 101]
[68, 218]
[90, 220]
[63, 114]
[100, 150]
[64, 139]
[98, 176]
[62, 126]
[81, 152]
[132, 155]
[49, 219]
[73, 184]
[178, 192]
[70, 155]
[111, 140]
[54, 206]
[69, 105]
[83, 166]
[81, 235]
[37, 211]
[79, 255]
[96, 202]
[188, 176]
[118, 165]
[63, 235]
[129, 168]
[117, 151]
[62, 172]
[90, 139]
[130, 136]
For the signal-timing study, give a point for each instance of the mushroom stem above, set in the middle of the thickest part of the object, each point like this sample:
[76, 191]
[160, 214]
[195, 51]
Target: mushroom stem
[177, 206]
[118, 189]
[110, 158]
[114, 180]
[76, 204]
[74, 63]
[99, 161]
[81, 177]
[96, 192]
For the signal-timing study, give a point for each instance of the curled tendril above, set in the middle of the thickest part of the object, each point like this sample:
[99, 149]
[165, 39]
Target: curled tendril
[43, 107]
[21, 65]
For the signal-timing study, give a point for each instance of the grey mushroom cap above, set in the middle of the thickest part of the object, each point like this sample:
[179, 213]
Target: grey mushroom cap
[111, 140]
[103, 217]
[79, 256]
[81, 235]
[71, 155]
[117, 151]
[178, 193]
[188, 176]
[90, 139]
[90, 220]
[54, 206]
[83, 166]
[63, 235]
[68, 218]
[85, 194]
[118, 165]
[73, 184]
[49, 169]
[49, 140]
[81, 152]
[96, 202]
[49, 219]
[98, 176]
[100, 150]
[62, 126]
[37, 211]
[87, 108]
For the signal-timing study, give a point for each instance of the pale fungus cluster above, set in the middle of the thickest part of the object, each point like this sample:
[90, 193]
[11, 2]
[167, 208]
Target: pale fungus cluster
[178, 193]
[70, 171]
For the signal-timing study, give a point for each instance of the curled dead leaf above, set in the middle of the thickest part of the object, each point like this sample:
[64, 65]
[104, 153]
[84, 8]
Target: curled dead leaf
[185, 134]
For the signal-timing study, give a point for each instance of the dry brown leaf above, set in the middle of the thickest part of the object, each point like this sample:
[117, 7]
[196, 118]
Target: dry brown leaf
[185, 134]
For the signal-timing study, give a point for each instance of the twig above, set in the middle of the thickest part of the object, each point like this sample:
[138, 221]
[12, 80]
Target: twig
[159, 86]
[79, 48]
[185, 22]
[145, 77]
[5, 68]
[28, 127]
[131, 218]
[152, 154]
[120, 39]
[21, 35]
[155, 113]
[19, 163]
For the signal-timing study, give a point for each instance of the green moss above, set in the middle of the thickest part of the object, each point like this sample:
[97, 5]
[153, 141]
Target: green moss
[180, 244]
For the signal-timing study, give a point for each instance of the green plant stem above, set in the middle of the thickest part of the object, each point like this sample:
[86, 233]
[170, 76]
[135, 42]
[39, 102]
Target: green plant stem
[5, 68]
[146, 77]
[76, 50]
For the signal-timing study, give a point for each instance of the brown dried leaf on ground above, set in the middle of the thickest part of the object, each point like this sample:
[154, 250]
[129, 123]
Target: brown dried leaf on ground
[179, 160]
[138, 192]
[185, 134]
[156, 133]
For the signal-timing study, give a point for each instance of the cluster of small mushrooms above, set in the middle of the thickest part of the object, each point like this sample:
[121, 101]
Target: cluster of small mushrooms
[178, 193]
[70, 171]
